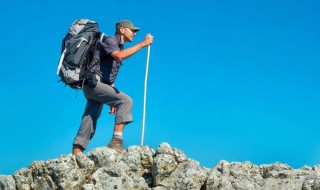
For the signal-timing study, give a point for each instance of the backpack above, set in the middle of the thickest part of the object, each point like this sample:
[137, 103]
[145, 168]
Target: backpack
[77, 53]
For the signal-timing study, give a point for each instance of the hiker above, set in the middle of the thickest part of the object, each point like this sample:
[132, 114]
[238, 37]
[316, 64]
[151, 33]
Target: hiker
[100, 88]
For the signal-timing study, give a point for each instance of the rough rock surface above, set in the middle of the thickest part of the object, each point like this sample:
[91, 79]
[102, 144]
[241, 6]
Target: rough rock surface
[167, 168]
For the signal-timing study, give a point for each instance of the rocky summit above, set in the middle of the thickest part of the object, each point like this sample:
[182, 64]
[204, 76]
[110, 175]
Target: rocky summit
[142, 168]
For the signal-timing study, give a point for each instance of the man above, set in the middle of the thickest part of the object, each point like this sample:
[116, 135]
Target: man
[99, 89]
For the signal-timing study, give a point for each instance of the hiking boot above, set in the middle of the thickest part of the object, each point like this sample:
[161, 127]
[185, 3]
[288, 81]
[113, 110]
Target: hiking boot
[116, 144]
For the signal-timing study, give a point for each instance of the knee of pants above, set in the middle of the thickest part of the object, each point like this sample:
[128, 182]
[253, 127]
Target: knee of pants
[127, 103]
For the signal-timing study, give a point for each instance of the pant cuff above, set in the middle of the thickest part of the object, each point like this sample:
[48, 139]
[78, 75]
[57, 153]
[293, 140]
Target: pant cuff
[82, 142]
[125, 119]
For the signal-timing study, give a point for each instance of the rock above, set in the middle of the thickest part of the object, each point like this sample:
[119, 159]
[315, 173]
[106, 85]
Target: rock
[160, 188]
[164, 148]
[179, 155]
[103, 156]
[234, 175]
[139, 159]
[115, 177]
[86, 166]
[247, 176]
[188, 175]
[317, 169]
[23, 179]
[167, 168]
[163, 166]
[7, 182]
[111, 177]
[172, 169]
[61, 173]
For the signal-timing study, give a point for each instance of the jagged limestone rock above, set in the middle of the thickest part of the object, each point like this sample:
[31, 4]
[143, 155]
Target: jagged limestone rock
[110, 177]
[172, 169]
[140, 183]
[167, 168]
[164, 148]
[316, 169]
[44, 182]
[23, 179]
[188, 175]
[7, 182]
[86, 166]
[115, 177]
[103, 156]
[235, 175]
[281, 176]
[41, 178]
[316, 184]
[61, 173]
[179, 155]
[160, 188]
[163, 166]
[274, 170]
[139, 159]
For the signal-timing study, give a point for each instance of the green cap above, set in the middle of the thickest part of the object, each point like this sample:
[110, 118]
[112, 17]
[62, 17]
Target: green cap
[126, 24]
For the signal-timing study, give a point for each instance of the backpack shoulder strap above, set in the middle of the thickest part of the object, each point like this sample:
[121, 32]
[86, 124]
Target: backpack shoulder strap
[102, 36]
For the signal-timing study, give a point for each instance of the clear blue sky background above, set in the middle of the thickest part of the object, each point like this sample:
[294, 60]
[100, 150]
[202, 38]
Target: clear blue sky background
[228, 80]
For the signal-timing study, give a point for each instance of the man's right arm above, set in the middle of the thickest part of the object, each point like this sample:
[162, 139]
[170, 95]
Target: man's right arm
[124, 54]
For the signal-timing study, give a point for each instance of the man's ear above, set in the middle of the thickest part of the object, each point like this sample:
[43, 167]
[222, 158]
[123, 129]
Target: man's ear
[122, 30]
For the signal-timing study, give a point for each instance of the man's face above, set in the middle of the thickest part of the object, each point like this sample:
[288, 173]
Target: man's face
[128, 34]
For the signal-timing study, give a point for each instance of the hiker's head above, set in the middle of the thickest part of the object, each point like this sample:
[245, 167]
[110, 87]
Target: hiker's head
[126, 30]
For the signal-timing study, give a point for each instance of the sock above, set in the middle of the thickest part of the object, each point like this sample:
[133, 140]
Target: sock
[117, 135]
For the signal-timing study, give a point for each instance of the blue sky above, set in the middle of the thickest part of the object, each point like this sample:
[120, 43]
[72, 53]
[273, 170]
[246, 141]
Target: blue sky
[228, 80]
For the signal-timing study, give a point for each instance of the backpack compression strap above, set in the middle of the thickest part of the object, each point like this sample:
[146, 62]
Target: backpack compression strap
[61, 59]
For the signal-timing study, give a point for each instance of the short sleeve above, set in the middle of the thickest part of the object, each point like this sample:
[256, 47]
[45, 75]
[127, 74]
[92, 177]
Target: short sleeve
[110, 45]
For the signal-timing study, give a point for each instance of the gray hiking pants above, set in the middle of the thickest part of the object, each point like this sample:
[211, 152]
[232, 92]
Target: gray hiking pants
[96, 98]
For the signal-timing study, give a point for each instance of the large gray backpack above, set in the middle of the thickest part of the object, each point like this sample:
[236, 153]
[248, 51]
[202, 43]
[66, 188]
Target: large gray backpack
[77, 53]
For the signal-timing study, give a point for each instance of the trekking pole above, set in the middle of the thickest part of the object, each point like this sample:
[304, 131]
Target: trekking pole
[145, 96]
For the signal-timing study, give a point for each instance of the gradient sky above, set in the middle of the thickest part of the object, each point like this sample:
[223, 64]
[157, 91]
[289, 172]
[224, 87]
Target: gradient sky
[228, 80]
